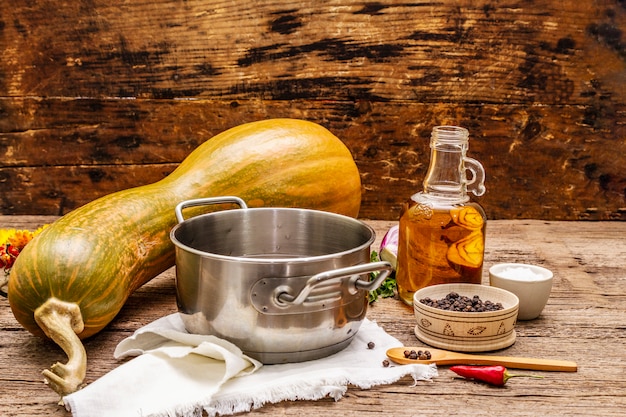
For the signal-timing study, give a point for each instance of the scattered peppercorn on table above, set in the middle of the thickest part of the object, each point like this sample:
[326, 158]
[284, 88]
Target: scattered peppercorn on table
[584, 321]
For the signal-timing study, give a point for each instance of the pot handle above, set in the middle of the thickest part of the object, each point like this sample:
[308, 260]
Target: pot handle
[284, 298]
[205, 202]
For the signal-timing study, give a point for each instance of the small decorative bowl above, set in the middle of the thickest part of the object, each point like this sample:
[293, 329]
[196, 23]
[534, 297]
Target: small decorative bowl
[466, 331]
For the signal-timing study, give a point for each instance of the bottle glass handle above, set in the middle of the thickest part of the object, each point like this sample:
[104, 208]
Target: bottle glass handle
[475, 184]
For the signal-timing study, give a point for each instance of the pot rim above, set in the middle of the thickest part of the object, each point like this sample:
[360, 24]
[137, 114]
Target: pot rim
[276, 260]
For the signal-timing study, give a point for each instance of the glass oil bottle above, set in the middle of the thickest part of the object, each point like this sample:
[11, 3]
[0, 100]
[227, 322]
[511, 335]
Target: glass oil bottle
[442, 232]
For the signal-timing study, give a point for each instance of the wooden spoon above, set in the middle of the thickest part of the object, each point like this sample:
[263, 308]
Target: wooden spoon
[444, 357]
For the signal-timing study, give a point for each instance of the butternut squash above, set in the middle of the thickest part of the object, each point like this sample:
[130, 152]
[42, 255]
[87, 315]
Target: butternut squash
[72, 279]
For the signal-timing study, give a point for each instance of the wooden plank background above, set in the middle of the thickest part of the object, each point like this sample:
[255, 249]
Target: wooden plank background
[101, 95]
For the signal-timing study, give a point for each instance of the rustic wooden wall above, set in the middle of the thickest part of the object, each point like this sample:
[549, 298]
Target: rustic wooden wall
[100, 95]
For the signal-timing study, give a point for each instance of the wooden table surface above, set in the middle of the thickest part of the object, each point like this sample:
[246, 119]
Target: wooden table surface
[584, 321]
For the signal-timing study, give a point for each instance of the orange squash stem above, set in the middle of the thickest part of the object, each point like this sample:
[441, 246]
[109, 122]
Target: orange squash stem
[62, 321]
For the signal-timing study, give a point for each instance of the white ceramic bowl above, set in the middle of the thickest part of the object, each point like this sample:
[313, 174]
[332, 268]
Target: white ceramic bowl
[466, 331]
[531, 283]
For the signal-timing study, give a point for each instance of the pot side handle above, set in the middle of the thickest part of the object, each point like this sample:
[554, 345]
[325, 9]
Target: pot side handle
[205, 202]
[284, 298]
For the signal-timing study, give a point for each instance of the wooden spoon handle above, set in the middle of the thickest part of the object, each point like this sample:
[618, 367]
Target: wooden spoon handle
[512, 362]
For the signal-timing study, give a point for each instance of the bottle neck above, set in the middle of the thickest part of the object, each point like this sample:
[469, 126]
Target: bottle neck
[446, 179]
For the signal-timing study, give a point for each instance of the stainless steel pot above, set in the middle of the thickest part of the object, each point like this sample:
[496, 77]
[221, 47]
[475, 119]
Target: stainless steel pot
[283, 284]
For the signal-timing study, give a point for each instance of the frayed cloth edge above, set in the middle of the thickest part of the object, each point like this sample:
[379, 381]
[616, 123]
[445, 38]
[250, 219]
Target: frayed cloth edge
[336, 389]
[333, 388]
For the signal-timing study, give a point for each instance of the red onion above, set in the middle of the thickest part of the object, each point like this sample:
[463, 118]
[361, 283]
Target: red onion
[389, 246]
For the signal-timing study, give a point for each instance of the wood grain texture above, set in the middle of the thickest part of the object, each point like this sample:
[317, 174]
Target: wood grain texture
[584, 321]
[104, 95]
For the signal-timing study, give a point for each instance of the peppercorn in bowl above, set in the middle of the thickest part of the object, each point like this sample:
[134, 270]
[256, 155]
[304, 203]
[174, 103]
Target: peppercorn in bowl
[465, 317]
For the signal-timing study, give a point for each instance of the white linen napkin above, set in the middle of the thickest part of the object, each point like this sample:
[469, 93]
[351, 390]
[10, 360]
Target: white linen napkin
[181, 374]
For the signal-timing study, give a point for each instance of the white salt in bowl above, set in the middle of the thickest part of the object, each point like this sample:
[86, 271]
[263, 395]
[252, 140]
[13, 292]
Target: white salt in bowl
[531, 283]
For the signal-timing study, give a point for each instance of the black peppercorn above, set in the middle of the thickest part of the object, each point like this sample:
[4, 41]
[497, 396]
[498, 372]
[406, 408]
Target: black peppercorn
[456, 302]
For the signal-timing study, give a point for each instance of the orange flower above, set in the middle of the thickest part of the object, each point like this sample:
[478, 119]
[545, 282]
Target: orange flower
[12, 241]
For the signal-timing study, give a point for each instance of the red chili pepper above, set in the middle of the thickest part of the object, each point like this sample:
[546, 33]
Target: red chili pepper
[494, 375]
